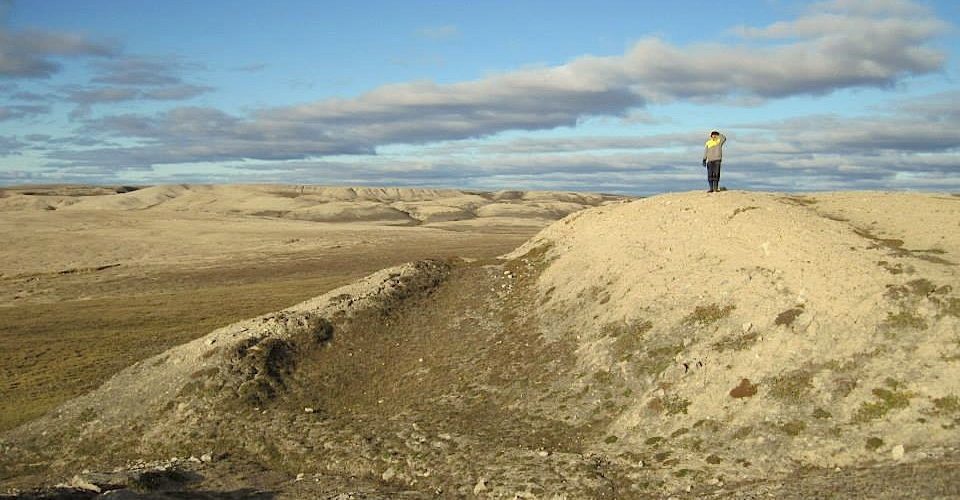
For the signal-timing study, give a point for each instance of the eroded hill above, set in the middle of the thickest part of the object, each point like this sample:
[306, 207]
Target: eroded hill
[690, 344]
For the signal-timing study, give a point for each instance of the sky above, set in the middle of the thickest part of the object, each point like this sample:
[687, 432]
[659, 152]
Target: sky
[603, 96]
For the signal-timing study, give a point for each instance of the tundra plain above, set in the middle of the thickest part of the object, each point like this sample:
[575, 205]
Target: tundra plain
[308, 342]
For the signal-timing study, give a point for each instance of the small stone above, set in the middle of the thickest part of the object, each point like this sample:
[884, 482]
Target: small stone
[300, 477]
[897, 452]
[481, 486]
[82, 484]
[543, 453]
[746, 327]
[308, 410]
[193, 459]
[389, 474]
[206, 458]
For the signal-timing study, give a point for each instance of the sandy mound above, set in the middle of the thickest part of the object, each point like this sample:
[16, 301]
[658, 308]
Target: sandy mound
[137, 200]
[349, 211]
[685, 344]
[793, 330]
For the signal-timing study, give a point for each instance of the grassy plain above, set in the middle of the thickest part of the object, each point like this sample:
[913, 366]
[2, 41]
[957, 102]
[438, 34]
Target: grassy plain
[102, 321]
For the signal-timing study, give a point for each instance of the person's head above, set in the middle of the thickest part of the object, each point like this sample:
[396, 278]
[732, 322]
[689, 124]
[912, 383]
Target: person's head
[714, 134]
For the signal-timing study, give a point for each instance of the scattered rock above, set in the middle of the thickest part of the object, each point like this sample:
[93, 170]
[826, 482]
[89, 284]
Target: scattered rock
[388, 474]
[80, 483]
[897, 452]
[481, 486]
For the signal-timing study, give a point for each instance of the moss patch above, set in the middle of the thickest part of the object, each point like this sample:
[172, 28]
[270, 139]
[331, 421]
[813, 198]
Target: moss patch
[628, 337]
[675, 405]
[793, 427]
[791, 387]
[657, 359]
[903, 320]
[821, 414]
[887, 400]
[705, 315]
[950, 307]
[948, 404]
[737, 343]
[874, 443]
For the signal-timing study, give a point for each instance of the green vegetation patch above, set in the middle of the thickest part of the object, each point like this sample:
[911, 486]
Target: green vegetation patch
[948, 404]
[793, 427]
[791, 387]
[675, 405]
[821, 414]
[887, 400]
[895, 246]
[628, 337]
[653, 441]
[950, 307]
[743, 432]
[87, 415]
[657, 359]
[874, 443]
[738, 342]
[708, 314]
[903, 320]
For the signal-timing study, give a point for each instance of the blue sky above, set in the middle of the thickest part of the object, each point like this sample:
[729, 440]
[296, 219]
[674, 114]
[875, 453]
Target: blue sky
[609, 96]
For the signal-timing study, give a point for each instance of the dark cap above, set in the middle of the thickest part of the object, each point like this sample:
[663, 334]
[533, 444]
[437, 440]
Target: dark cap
[714, 133]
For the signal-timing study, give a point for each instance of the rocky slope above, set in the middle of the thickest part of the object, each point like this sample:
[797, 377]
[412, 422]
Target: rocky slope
[737, 344]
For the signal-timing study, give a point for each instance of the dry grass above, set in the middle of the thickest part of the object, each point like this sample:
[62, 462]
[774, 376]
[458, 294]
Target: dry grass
[57, 351]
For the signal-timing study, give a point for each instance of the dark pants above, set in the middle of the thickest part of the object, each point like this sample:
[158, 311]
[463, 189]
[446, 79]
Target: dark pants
[713, 174]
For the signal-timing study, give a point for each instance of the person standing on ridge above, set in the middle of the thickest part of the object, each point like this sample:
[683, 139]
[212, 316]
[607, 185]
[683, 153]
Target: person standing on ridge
[712, 155]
